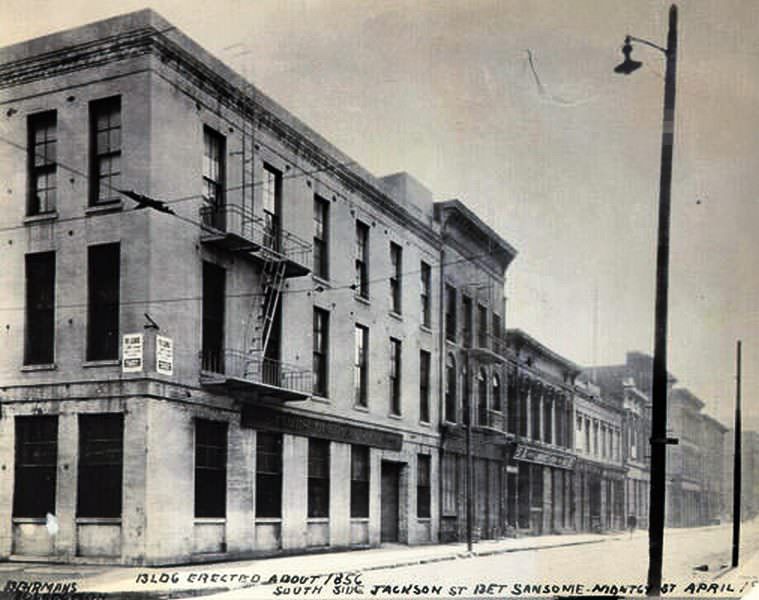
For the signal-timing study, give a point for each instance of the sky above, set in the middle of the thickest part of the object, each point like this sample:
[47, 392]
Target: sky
[560, 157]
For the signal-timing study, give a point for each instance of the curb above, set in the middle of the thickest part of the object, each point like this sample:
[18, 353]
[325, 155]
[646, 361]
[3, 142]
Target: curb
[195, 592]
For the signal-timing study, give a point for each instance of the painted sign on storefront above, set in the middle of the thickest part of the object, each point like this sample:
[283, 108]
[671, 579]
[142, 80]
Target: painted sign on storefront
[543, 457]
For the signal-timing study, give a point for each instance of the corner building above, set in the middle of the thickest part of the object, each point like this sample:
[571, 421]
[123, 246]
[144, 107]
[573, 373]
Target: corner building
[258, 372]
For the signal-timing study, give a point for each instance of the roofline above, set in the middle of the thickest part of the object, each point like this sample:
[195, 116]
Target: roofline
[507, 251]
[17, 66]
[545, 350]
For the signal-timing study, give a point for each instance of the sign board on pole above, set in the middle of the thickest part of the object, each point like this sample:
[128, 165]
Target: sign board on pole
[131, 353]
[164, 355]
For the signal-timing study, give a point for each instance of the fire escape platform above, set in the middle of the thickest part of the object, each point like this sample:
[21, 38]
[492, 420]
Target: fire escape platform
[249, 391]
[229, 241]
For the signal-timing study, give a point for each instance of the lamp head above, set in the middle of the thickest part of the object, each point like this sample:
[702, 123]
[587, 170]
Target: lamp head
[628, 65]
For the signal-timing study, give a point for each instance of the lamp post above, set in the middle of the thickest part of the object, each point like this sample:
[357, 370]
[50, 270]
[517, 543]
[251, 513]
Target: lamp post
[659, 438]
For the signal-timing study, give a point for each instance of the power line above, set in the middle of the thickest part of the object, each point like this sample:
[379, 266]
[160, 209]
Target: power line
[319, 289]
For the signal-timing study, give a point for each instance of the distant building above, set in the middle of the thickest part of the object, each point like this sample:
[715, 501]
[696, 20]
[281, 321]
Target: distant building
[599, 471]
[714, 501]
[749, 474]
[541, 458]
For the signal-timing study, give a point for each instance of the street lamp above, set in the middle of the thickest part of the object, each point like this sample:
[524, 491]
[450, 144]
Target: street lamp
[659, 438]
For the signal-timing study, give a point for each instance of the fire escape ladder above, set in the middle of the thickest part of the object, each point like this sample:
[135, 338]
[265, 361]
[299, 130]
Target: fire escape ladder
[272, 282]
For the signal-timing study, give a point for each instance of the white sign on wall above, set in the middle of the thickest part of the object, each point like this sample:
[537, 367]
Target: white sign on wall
[131, 353]
[164, 355]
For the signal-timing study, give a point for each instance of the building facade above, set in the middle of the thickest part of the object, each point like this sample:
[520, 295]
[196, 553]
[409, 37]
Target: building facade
[474, 488]
[599, 471]
[541, 456]
[175, 384]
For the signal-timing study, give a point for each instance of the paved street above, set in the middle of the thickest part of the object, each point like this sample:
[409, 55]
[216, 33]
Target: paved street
[501, 569]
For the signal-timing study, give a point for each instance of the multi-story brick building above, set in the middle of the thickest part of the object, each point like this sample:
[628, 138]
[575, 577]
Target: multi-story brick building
[539, 421]
[599, 470]
[685, 466]
[252, 364]
[474, 411]
[619, 387]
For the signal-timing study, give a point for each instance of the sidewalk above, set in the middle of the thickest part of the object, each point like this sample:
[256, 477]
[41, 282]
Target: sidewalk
[192, 580]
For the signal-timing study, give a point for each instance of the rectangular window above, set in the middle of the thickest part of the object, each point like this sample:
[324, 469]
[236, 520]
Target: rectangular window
[268, 475]
[423, 500]
[396, 270]
[359, 482]
[213, 178]
[272, 196]
[103, 278]
[450, 313]
[210, 469]
[425, 293]
[101, 465]
[321, 351]
[362, 260]
[547, 421]
[497, 335]
[466, 309]
[212, 327]
[105, 150]
[318, 478]
[36, 466]
[42, 167]
[424, 385]
[482, 326]
[361, 346]
[395, 376]
[321, 237]
[39, 347]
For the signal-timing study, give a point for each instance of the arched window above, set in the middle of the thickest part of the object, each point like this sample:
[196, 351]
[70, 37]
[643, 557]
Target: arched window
[450, 389]
[482, 396]
[496, 393]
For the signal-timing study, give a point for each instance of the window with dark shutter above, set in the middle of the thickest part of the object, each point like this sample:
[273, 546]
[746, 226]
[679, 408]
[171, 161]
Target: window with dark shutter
[212, 328]
[395, 376]
[210, 469]
[396, 277]
[359, 482]
[268, 475]
[39, 347]
[101, 465]
[423, 499]
[318, 478]
[36, 466]
[424, 386]
[103, 283]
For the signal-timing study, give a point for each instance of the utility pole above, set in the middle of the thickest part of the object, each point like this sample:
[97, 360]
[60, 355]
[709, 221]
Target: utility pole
[659, 439]
[660, 383]
[737, 460]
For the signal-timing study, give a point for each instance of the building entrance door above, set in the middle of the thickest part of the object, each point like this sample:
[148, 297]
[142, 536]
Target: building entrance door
[389, 502]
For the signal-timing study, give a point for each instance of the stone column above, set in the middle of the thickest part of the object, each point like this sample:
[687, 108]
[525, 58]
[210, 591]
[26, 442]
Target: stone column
[339, 494]
[294, 486]
[65, 486]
